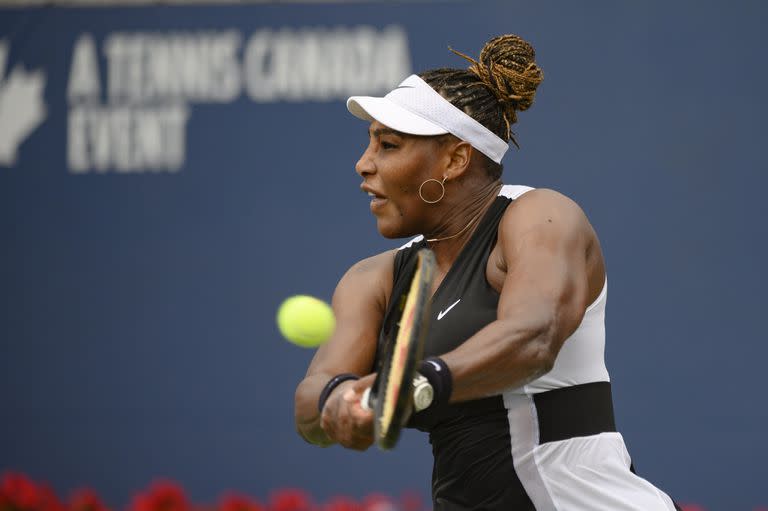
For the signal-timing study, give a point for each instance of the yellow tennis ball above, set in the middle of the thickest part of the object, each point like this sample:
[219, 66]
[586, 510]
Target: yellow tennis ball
[305, 320]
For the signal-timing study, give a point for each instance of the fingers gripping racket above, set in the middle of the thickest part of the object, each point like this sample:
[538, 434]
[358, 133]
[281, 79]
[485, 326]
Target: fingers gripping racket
[392, 393]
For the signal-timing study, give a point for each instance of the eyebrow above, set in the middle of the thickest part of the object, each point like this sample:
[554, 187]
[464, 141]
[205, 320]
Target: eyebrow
[384, 131]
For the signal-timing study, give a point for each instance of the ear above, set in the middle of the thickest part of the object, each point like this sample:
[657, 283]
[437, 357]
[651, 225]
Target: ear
[459, 156]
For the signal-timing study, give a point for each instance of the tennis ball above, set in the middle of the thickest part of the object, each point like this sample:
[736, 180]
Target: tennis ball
[305, 320]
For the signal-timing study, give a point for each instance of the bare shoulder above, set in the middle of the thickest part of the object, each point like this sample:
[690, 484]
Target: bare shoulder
[359, 303]
[368, 279]
[545, 214]
[545, 225]
[379, 266]
[544, 206]
[374, 264]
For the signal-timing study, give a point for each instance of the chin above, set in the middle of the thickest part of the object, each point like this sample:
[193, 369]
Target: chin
[393, 232]
[391, 235]
[387, 230]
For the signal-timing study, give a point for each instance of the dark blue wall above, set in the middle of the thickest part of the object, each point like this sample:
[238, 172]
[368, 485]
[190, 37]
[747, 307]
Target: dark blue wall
[137, 334]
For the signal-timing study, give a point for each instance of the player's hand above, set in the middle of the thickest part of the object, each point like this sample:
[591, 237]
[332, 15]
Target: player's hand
[344, 420]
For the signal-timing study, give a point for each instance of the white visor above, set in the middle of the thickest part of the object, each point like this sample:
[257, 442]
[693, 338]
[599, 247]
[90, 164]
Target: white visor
[415, 108]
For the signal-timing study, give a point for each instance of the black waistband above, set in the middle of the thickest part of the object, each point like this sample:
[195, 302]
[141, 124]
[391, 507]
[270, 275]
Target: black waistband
[580, 410]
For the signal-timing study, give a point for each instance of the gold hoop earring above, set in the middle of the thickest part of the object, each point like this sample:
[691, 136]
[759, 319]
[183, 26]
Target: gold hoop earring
[442, 187]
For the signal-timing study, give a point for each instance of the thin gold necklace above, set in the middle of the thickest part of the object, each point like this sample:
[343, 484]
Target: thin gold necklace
[475, 219]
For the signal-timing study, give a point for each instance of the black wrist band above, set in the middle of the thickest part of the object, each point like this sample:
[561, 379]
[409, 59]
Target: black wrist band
[332, 384]
[436, 371]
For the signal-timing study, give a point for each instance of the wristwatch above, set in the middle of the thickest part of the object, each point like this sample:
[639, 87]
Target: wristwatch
[422, 393]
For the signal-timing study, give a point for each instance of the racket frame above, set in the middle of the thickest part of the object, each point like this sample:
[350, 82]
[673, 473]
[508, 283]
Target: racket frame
[393, 402]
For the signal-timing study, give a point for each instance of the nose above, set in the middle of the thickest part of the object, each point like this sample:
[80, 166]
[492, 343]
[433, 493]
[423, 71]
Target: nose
[364, 165]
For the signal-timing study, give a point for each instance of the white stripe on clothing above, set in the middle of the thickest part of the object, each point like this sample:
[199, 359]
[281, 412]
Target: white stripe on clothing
[582, 473]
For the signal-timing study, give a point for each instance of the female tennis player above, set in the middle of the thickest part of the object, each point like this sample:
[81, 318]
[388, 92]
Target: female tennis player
[522, 414]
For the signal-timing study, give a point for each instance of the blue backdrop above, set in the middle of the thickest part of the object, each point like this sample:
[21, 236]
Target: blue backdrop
[169, 174]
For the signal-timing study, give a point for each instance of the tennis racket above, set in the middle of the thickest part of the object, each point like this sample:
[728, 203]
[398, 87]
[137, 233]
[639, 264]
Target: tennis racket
[392, 395]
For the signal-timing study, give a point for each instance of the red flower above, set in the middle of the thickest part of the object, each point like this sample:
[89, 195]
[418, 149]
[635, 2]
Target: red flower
[162, 496]
[48, 500]
[232, 501]
[86, 499]
[291, 500]
[342, 504]
[18, 492]
[379, 502]
[411, 501]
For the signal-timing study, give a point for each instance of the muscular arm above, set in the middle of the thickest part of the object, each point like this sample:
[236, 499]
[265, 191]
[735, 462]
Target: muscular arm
[359, 302]
[552, 263]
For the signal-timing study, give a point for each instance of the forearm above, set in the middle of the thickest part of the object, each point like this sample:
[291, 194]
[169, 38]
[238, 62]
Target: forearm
[306, 413]
[504, 354]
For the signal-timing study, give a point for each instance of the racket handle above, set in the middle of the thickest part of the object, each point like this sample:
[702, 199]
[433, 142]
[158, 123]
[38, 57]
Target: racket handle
[423, 393]
[366, 402]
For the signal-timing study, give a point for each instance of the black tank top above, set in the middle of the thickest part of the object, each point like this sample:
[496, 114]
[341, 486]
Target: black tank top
[463, 304]
[473, 466]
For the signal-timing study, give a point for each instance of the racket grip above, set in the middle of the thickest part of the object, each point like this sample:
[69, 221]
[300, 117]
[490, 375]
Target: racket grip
[366, 401]
[423, 393]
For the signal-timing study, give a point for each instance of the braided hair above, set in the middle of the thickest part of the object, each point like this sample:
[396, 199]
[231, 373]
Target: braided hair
[493, 88]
